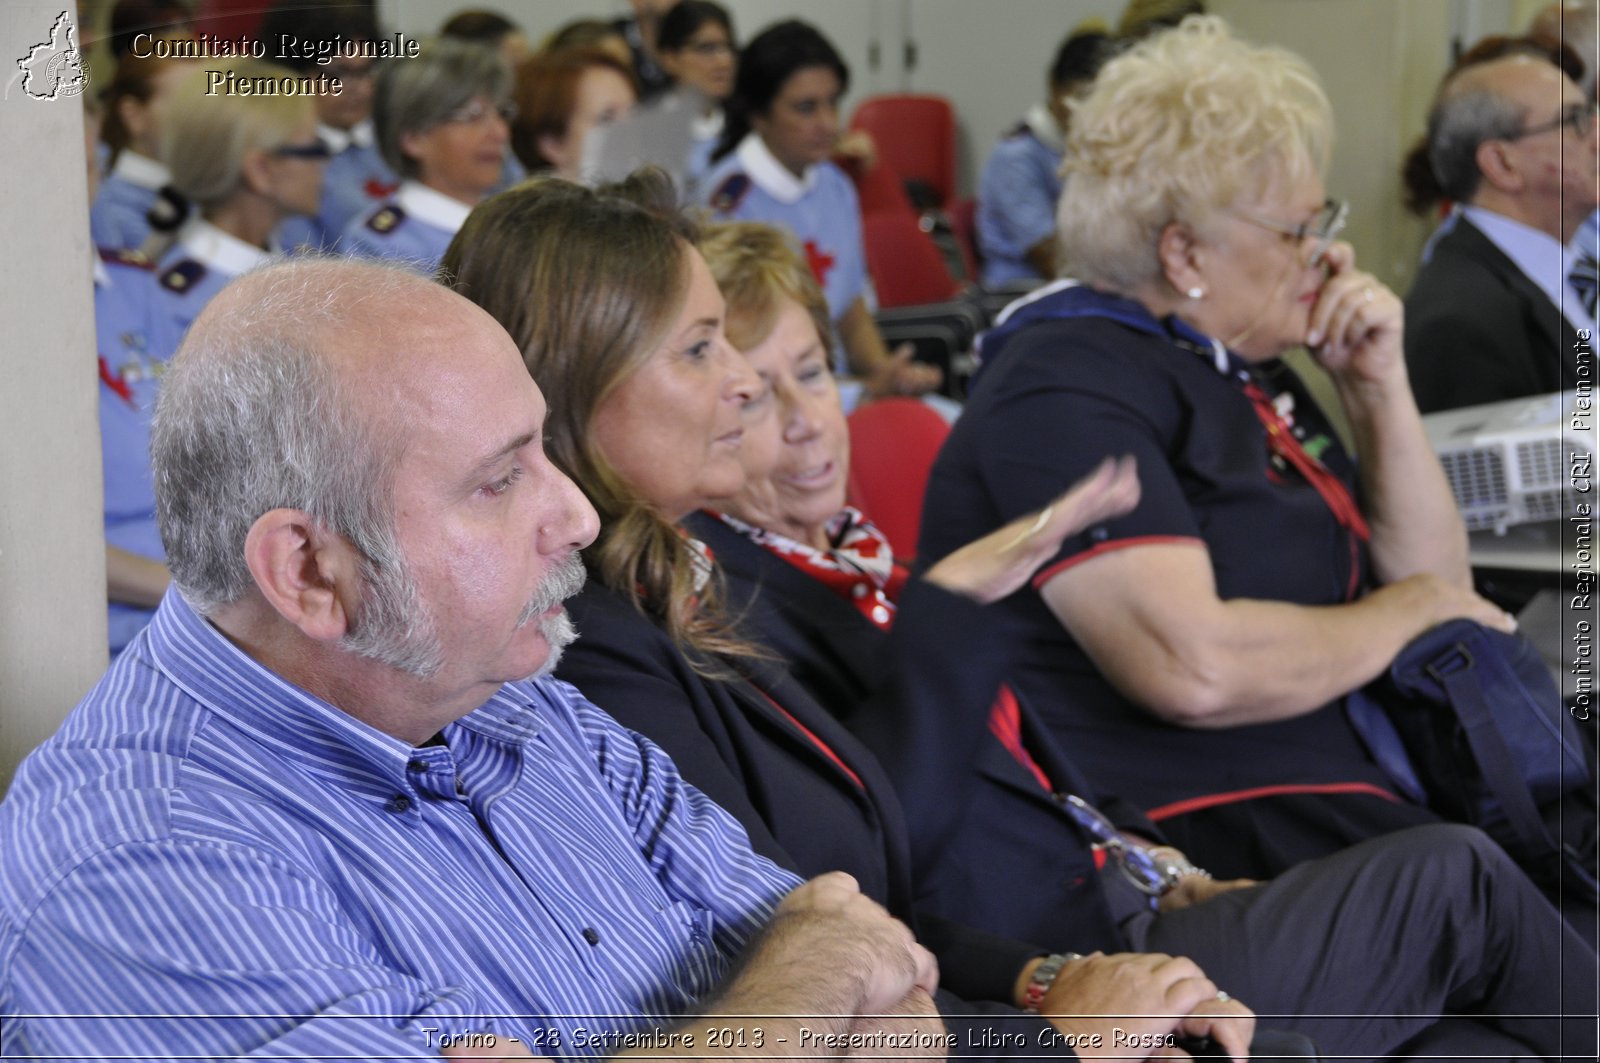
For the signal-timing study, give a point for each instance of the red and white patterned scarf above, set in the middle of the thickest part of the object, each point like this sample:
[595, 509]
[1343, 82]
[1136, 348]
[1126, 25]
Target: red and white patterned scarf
[858, 565]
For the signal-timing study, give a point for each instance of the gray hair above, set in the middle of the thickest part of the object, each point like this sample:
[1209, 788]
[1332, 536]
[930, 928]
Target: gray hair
[414, 95]
[1459, 122]
[255, 416]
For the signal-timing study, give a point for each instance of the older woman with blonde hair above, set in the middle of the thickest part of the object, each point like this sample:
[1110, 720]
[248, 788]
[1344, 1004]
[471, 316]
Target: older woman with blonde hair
[1194, 652]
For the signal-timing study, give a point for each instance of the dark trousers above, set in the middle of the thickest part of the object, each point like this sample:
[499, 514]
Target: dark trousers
[1363, 950]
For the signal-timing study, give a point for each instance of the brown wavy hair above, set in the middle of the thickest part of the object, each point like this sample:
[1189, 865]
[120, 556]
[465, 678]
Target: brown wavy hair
[588, 282]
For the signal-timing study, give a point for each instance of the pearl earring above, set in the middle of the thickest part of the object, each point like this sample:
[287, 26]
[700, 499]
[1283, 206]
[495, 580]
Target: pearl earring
[1196, 292]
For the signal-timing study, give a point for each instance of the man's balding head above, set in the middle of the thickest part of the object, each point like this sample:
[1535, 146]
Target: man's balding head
[292, 390]
[1480, 139]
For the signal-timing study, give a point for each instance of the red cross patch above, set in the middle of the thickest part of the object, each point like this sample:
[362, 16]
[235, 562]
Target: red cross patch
[819, 261]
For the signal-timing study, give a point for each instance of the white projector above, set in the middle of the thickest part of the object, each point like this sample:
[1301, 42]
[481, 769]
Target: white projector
[1519, 461]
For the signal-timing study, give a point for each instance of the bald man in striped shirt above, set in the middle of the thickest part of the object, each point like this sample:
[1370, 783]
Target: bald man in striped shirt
[318, 808]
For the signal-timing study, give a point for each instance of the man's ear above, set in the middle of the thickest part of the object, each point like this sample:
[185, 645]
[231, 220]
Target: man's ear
[309, 575]
[1498, 166]
[1179, 254]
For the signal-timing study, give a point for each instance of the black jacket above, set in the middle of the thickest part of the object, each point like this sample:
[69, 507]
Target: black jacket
[1478, 330]
[801, 807]
[989, 844]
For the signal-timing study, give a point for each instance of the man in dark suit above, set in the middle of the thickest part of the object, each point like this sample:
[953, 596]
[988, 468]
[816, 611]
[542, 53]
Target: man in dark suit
[1492, 314]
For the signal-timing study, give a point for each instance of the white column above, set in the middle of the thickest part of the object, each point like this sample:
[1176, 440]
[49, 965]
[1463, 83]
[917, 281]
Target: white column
[52, 556]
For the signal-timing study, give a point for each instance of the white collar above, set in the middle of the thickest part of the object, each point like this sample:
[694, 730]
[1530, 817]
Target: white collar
[339, 141]
[432, 207]
[140, 170]
[1042, 124]
[770, 175]
[215, 249]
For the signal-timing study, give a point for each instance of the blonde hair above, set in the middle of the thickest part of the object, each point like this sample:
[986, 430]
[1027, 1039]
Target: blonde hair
[205, 139]
[757, 267]
[1175, 129]
[587, 282]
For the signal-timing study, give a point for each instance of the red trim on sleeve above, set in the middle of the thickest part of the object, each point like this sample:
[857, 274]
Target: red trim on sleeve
[1196, 804]
[1107, 547]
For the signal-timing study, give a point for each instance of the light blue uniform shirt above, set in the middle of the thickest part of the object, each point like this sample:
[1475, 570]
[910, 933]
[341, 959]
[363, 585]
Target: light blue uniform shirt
[416, 226]
[198, 266]
[356, 182]
[208, 861]
[1017, 196]
[119, 217]
[821, 210]
[134, 342]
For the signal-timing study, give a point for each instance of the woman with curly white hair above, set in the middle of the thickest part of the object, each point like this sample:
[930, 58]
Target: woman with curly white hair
[1193, 653]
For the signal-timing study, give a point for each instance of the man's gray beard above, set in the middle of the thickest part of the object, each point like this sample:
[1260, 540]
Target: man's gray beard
[396, 626]
[559, 631]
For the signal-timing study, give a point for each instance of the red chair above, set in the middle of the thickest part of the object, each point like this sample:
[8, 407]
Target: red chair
[916, 135]
[878, 188]
[892, 446]
[906, 266]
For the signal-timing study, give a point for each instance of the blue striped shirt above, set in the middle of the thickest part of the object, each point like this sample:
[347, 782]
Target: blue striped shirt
[208, 861]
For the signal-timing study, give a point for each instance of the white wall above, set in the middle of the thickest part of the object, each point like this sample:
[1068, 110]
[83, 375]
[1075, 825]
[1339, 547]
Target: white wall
[52, 561]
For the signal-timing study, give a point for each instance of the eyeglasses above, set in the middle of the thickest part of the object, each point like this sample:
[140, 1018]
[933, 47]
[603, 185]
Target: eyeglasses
[1325, 226]
[710, 49]
[314, 151]
[476, 111]
[1136, 865]
[1579, 117]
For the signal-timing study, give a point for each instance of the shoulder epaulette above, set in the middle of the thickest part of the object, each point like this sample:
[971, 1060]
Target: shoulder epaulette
[126, 256]
[386, 220]
[730, 193]
[183, 276]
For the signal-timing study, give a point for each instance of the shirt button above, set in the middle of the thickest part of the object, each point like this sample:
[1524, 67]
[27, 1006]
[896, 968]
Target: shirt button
[397, 804]
[416, 767]
[880, 614]
[859, 590]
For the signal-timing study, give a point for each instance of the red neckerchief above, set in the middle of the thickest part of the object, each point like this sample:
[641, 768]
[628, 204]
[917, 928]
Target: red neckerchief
[859, 566]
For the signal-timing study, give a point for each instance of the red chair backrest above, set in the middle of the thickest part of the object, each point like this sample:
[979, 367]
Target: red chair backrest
[878, 188]
[906, 266]
[892, 446]
[916, 135]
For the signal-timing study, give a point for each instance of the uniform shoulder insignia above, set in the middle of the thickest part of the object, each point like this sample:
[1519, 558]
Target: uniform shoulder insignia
[126, 256]
[386, 220]
[730, 193]
[182, 276]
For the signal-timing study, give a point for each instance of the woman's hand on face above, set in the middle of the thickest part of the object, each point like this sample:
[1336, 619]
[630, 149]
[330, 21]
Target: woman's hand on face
[1356, 323]
[1002, 561]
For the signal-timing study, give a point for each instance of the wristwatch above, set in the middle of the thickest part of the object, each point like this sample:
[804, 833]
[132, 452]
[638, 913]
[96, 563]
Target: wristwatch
[1174, 867]
[1043, 977]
